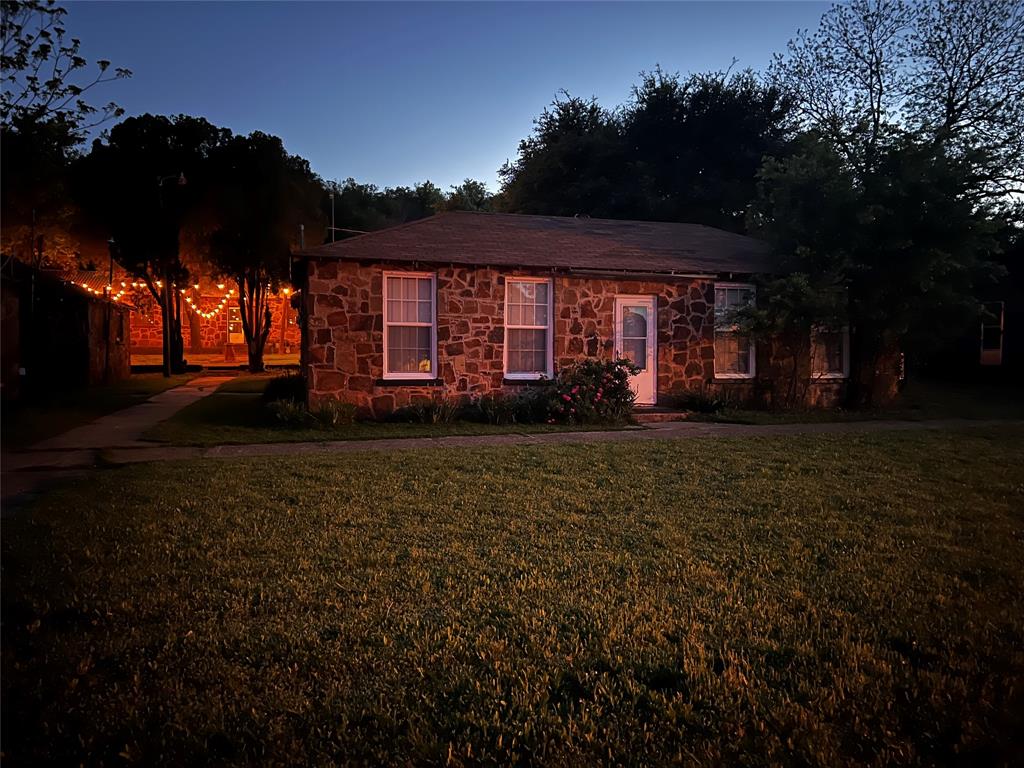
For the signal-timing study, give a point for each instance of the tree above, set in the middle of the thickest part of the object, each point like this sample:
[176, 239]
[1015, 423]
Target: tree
[919, 109]
[42, 69]
[43, 119]
[694, 146]
[143, 186]
[904, 248]
[470, 195]
[949, 71]
[259, 196]
[572, 163]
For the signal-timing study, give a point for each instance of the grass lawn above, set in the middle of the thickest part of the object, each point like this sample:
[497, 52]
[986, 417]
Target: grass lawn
[37, 418]
[920, 400]
[236, 414]
[813, 600]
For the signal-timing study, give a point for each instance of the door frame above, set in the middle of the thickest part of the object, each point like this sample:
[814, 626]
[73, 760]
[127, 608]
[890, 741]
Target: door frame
[651, 299]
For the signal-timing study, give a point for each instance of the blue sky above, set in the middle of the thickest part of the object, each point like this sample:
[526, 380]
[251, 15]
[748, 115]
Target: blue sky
[395, 93]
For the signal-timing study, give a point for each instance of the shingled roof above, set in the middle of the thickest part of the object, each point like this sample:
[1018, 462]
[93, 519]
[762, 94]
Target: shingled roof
[515, 240]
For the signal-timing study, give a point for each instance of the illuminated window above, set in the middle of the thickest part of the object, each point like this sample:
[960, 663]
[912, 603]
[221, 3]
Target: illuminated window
[410, 326]
[830, 354]
[992, 334]
[528, 328]
[734, 351]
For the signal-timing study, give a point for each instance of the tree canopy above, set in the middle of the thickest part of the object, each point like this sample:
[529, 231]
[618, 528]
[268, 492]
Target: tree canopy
[259, 195]
[682, 149]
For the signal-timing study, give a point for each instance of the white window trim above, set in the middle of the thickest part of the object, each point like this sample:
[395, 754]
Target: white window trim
[550, 362]
[832, 375]
[432, 374]
[725, 375]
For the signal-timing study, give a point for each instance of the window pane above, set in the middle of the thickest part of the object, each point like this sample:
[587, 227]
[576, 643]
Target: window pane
[424, 289]
[424, 312]
[394, 311]
[634, 322]
[527, 351]
[408, 349]
[527, 304]
[636, 350]
[393, 294]
[732, 353]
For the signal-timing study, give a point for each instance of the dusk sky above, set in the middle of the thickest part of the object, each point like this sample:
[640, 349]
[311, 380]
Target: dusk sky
[395, 93]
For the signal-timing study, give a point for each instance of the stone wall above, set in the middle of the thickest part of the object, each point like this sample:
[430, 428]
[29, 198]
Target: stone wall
[344, 302]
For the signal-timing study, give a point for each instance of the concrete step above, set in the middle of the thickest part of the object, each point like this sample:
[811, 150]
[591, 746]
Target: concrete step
[654, 415]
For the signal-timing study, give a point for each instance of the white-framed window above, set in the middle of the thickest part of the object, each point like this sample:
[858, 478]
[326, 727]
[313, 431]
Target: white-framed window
[830, 353]
[410, 325]
[734, 351]
[528, 328]
[992, 333]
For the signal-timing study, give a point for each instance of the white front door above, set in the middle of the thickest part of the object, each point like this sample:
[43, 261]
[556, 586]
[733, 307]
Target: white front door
[636, 323]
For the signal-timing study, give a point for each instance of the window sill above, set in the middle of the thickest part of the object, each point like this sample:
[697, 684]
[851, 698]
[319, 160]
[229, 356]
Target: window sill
[734, 377]
[829, 377]
[432, 382]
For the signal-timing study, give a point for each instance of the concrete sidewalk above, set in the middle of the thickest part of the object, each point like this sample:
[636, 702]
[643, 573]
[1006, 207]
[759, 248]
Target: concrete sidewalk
[77, 450]
[665, 431]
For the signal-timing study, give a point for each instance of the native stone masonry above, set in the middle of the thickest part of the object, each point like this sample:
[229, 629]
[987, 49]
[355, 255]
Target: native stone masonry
[346, 341]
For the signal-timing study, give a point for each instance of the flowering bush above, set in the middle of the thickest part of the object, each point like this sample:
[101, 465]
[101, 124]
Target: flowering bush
[593, 391]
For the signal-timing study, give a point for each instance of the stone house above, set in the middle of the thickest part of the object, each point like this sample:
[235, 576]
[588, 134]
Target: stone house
[463, 304]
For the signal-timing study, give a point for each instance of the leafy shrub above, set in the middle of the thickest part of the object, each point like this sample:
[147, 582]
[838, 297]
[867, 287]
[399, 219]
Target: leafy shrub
[290, 413]
[334, 413]
[530, 406]
[437, 410]
[593, 392]
[291, 386]
[294, 414]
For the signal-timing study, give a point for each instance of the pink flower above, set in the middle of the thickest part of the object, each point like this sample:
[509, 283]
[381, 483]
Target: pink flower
[566, 398]
[576, 389]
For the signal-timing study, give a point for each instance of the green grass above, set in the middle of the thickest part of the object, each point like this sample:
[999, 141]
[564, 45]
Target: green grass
[233, 417]
[38, 417]
[818, 600]
[921, 400]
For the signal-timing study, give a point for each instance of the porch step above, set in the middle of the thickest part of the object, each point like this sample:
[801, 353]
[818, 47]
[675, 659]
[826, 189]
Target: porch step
[654, 415]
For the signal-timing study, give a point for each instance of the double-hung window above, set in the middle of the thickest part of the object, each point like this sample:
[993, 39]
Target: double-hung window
[830, 353]
[410, 325]
[734, 351]
[528, 326]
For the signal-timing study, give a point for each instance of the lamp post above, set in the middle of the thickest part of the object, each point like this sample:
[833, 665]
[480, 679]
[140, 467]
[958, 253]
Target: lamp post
[181, 182]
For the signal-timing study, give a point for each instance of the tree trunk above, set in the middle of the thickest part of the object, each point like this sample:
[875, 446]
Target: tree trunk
[255, 312]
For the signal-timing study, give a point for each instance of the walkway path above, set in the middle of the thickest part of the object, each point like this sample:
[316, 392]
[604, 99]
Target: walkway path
[665, 431]
[78, 449]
